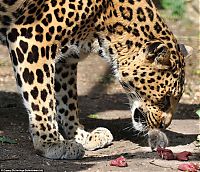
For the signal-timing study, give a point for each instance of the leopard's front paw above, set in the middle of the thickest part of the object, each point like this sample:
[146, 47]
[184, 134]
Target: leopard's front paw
[64, 149]
[98, 138]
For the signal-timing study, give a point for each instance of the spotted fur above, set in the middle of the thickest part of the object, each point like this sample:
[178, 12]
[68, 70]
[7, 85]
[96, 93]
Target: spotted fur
[47, 38]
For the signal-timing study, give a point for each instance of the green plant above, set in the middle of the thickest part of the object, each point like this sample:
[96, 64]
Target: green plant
[5, 139]
[177, 7]
[198, 113]
[93, 116]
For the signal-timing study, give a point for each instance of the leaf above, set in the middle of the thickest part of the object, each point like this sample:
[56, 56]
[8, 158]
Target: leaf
[93, 116]
[5, 139]
[198, 141]
[198, 112]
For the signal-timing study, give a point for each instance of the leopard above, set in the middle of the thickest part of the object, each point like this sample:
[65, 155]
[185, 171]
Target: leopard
[47, 38]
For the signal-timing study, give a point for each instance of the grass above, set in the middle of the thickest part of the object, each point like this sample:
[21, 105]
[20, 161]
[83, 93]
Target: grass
[5, 139]
[93, 116]
[176, 7]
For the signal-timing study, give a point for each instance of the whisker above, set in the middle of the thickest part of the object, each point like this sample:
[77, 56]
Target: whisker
[126, 103]
[127, 128]
[130, 90]
[131, 128]
[135, 134]
[145, 134]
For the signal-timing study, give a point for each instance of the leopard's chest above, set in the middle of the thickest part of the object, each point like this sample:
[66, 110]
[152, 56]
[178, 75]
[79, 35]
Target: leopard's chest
[74, 51]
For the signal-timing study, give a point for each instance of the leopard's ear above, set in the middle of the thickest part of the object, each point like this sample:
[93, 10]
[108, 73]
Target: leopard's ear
[186, 50]
[158, 53]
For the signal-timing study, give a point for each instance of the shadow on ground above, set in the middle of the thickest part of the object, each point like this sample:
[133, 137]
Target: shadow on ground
[14, 122]
[13, 113]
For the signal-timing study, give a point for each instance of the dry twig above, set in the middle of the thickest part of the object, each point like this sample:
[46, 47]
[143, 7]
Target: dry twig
[153, 163]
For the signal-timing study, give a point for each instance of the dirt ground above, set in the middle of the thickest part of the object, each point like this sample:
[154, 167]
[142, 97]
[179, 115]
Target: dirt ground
[103, 103]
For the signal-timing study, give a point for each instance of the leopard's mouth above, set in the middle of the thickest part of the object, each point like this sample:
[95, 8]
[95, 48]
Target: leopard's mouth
[138, 118]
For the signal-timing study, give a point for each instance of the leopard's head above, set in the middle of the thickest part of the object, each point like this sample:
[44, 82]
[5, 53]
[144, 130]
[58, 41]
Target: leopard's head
[154, 81]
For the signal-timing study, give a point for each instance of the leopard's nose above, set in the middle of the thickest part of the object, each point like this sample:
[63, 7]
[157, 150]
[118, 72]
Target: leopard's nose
[162, 125]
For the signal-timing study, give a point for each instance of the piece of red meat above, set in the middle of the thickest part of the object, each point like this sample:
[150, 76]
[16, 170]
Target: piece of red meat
[119, 162]
[189, 167]
[183, 156]
[165, 153]
[169, 155]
